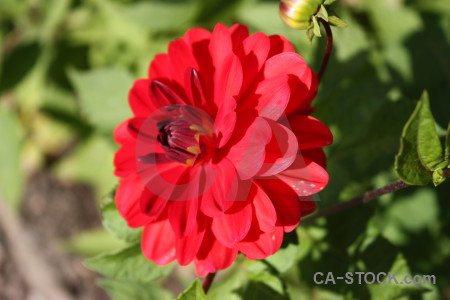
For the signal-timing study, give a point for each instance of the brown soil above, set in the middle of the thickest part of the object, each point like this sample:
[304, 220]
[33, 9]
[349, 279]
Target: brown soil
[52, 211]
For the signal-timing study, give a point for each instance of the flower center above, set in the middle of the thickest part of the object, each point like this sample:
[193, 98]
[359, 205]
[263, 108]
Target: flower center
[188, 138]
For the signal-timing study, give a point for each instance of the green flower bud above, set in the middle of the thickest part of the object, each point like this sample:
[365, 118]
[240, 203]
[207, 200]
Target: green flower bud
[298, 13]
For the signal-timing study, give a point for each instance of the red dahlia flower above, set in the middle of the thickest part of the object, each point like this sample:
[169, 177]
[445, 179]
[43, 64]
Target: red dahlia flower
[221, 155]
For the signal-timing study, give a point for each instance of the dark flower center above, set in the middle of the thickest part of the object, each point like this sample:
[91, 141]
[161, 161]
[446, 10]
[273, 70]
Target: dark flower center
[187, 139]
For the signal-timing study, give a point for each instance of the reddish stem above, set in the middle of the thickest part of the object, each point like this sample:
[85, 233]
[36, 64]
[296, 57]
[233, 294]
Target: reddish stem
[328, 49]
[208, 281]
[364, 198]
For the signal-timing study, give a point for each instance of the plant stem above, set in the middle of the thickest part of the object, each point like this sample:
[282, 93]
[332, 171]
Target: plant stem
[364, 198]
[208, 281]
[328, 49]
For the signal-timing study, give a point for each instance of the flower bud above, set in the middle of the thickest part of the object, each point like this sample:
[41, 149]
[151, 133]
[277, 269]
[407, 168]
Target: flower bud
[297, 13]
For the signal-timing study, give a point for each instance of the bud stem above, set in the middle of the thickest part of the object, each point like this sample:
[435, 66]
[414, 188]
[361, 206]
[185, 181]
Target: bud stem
[208, 281]
[328, 49]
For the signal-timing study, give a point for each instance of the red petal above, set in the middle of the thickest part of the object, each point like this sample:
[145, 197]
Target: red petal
[158, 242]
[234, 224]
[187, 247]
[139, 98]
[304, 176]
[279, 44]
[281, 151]
[223, 189]
[302, 81]
[264, 210]
[316, 155]
[285, 201]
[198, 40]
[227, 66]
[125, 161]
[180, 58]
[248, 154]
[225, 120]
[122, 135]
[163, 95]
[213, 255]
[183, 216]
[159, 68]
[256, 49]
[128, 198]
[270, 98]
[238, 34]
[194, 89]
[259, 245]
[310, 132]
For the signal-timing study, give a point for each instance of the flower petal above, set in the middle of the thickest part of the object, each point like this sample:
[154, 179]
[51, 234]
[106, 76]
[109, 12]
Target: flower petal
[139, 98]
[225, 120]
[180, 58]
[159, 250]
[194, 89]
[259, 245]
[127, 200]
[187, 246]
[227, 66]
[125, 161]
[279, 44]
[310, 132]
[270, 98]
[248, 154]
[213, 255]
[223, 190]
[281, 151]
[302, 80]
[304, 176]
[285, 200]
[256, 48]
[263, 208]
[234, 224]
[163, 95]
[159, 68]
[317, 155]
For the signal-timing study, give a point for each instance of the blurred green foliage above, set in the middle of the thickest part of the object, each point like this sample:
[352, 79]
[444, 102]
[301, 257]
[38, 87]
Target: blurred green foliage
[67, 65]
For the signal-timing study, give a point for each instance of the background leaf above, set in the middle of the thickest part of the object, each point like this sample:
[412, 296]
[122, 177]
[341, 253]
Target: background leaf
[193, 292]
[128, 264]
[101, 95]
[11, 177]
[129, 290]
[407, 162]
[428, 144]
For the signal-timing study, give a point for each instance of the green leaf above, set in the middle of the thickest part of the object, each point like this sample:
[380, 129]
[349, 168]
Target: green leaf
[323, 13]
[395, 291]
[407, 163]
[428, 144]
[116, 224]
[193, 292]
[310, 33]
[93, 242]
[284, 258]
[316, 28]
[438, 177]
[11, 177]
[329, 2]
[260, 290]
[129, 290]
[103, 96]
[333, 20]
[129, 264]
